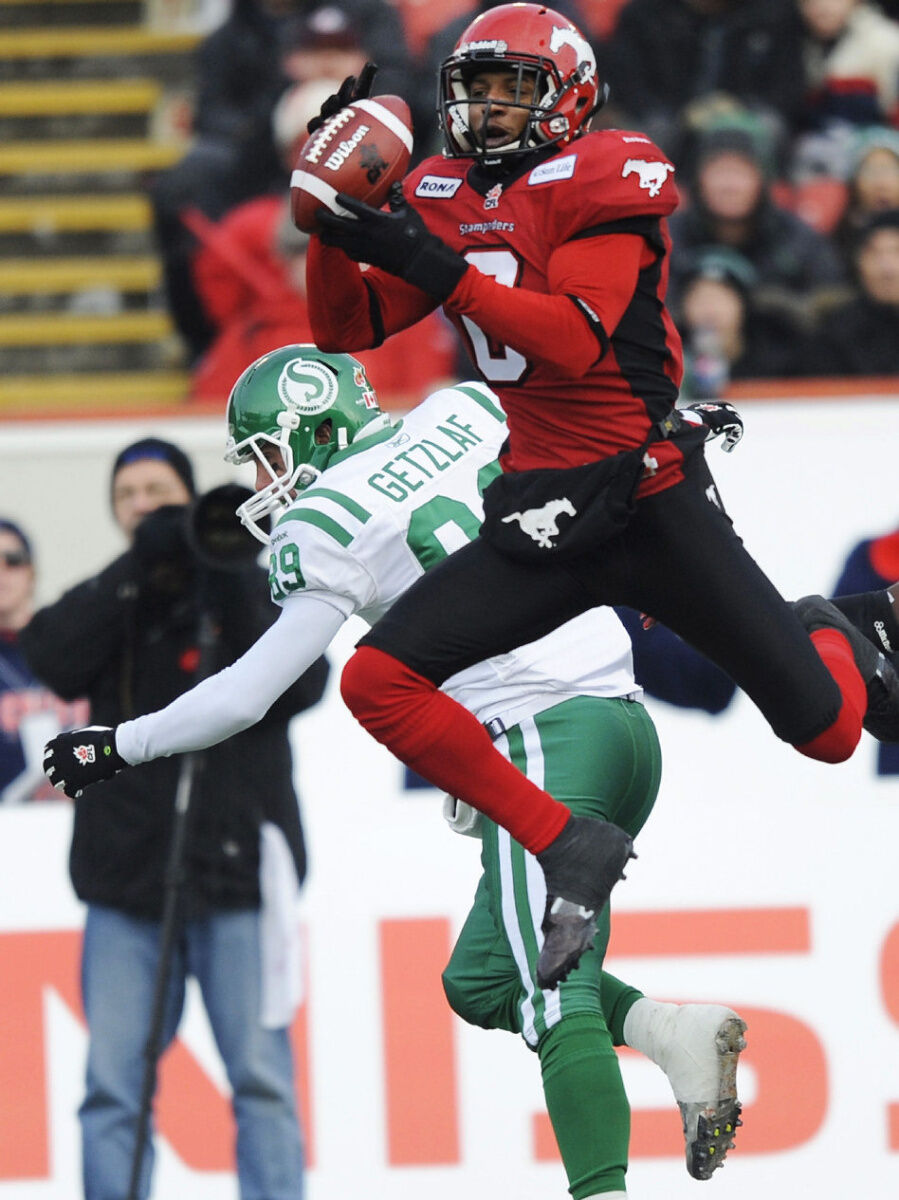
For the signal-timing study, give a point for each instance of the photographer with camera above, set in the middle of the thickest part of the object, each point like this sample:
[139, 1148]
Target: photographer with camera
[186, 599]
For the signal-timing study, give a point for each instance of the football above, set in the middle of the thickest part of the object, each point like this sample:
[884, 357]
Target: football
[360, 151]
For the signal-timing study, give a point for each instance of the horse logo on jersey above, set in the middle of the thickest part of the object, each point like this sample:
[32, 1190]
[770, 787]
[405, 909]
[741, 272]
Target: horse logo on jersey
[652, 174]
[540, 523]
[491, 199]
[307, 387]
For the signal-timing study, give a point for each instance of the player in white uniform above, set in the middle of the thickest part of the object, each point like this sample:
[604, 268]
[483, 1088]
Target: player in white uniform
[361, 508]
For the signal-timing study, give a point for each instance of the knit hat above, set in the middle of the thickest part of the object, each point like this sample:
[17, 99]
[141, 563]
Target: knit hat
[722, 264]
[881, 220]
[156, 448]
[740, 133]
[874, 137]
[11, 527]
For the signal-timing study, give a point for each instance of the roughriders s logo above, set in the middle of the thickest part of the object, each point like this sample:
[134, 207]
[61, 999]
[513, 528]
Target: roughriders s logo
[84, 754]
[307, 387]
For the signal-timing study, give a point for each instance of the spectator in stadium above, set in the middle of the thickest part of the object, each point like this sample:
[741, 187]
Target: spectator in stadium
[250, 275]
[330, 40]
[241, 70]
[872, 185]
[129, 639]
[730, 205]
[29, 712]
[727, 333]
[237, 82]
[850, 63]
[850, 55]
[861, 335]
[665, 54]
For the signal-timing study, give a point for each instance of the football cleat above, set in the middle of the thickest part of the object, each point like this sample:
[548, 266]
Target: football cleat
[581, 867]
[881, 680]
[701, 1063]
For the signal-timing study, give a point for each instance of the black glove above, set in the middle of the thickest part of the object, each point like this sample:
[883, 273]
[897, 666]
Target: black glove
[81, 757]
[718, 417]
[397, 241]
[351, 89]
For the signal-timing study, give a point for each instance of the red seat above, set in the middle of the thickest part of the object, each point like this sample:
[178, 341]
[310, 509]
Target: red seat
[820, 202]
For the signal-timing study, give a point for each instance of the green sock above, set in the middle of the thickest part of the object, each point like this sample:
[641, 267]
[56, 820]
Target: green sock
[617, 1000]
[587, 1105]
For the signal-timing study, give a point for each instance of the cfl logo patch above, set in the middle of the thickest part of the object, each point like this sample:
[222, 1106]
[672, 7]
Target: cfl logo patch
[84, 754]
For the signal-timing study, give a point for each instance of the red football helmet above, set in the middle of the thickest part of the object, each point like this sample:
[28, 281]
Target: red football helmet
[533, 43]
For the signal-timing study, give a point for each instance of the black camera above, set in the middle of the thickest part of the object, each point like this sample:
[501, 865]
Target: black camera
[214, 530]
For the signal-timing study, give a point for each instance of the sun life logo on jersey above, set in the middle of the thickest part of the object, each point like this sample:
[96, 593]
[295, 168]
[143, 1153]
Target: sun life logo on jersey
[307, 387]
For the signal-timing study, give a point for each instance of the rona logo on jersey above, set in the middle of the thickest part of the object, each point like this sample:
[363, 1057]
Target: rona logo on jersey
[307, 387]
[540, 523]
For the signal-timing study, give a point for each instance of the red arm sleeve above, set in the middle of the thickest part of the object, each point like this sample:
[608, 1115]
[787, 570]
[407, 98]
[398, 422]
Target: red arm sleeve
[592, 281]
[353, 310]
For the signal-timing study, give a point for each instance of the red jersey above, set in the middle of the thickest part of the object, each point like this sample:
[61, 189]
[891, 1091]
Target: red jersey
[564, 315]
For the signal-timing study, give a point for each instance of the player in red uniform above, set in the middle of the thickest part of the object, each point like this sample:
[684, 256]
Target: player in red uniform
[547, 247]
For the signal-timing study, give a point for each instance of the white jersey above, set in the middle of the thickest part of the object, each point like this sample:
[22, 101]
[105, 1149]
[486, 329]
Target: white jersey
[392, 506]
[385, 510]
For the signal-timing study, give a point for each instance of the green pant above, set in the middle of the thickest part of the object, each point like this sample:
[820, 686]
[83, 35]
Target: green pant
[602, 758]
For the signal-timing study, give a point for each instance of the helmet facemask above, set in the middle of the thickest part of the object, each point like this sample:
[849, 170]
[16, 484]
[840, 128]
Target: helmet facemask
[536, 46]
[308, 406]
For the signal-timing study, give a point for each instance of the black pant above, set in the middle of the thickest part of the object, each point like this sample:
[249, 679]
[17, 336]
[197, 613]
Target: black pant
[678, 560]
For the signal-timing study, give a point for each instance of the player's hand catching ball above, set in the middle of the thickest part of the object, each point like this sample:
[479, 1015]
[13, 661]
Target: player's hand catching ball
[81, 757]
[397, 241]
[720, 418]
[351, 89]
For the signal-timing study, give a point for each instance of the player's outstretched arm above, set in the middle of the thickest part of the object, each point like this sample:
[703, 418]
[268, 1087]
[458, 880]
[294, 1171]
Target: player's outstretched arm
[215, 709]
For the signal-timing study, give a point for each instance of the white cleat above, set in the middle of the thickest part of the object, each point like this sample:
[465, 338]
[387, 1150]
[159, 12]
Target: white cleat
[709, 1041]
[697, 1046]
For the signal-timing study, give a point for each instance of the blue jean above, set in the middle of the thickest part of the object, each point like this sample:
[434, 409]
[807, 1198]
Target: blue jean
[118, 969]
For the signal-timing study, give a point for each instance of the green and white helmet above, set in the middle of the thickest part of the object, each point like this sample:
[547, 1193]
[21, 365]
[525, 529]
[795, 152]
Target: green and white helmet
[307, 404]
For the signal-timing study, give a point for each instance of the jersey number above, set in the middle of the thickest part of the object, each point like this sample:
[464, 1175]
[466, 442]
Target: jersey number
[496, 362]
[288, 560]
[442, 525]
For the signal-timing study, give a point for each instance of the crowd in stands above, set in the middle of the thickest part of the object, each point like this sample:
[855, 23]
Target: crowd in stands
[782, 117]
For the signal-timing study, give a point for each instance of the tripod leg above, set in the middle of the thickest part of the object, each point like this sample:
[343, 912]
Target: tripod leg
[171, 918]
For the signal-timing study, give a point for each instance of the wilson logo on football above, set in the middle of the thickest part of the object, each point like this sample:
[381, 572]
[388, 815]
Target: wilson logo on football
[343, 150]
[84, 754]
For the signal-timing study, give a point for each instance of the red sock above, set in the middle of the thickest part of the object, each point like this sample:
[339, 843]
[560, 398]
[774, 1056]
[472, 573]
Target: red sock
[837, 742]
[442, 741]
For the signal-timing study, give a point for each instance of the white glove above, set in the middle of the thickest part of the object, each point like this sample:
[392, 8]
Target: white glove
[461, 817]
